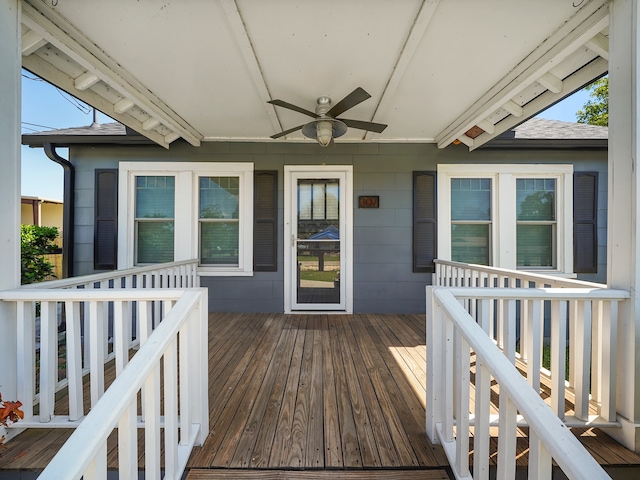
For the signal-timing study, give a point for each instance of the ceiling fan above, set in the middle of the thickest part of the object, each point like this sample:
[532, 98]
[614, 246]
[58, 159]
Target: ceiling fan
[325, 125]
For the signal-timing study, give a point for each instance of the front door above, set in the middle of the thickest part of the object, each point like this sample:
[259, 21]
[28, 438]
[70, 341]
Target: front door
[318, 213]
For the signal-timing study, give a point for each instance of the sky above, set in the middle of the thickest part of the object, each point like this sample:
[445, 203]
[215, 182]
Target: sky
[45, 107]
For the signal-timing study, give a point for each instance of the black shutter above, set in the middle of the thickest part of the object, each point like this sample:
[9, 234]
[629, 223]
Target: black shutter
[265, 218]
[105, 237]
[585, 222]
[424, 221]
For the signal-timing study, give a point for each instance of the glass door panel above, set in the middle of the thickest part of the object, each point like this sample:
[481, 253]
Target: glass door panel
[317, 244]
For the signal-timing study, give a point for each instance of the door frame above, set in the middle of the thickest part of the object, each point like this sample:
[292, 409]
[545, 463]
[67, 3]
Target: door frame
[291, 175]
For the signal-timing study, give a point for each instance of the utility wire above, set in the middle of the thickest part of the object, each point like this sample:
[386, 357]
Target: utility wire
[36, 125]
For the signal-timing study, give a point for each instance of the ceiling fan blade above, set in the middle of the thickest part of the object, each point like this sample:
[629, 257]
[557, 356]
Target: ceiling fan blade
[350, 101]
[373, 127]
[287, 132]
[295, 108]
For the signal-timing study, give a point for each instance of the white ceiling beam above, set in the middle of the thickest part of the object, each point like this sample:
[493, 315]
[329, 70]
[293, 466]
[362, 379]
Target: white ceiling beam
[572, 83]
[171, 137]
[123, 105]
[513, 108]
[468, 141]
[31, 42]
[86, 80]
[48, 23]
[600, 45]
[551, 82]
[239, 30]
[150, 123]
[418, 29]
[487, 126]
[584, 25]
[54, 76]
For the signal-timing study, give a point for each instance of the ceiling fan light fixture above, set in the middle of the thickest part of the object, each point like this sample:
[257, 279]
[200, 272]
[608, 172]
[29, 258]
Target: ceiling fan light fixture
[324, 129]
[325, 132]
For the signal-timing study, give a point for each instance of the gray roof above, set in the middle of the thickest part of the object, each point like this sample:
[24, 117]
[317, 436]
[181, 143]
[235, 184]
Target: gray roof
[534, 133]
[541, 128]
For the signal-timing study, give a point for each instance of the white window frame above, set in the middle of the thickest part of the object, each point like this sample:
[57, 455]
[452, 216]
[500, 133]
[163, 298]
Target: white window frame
[503, 210]
[186, 221]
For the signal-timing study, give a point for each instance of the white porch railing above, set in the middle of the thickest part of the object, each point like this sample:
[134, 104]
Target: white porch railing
[106, 317]
[452, 336]
[577, 320]
[178, 344]
[181, 274]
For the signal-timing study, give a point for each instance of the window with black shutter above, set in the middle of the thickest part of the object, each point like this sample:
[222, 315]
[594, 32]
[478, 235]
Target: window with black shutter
[585, 222]
[424, 221]
[105, 239]
[265, 228]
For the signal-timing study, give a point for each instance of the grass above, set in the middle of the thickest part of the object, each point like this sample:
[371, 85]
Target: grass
[318, 276]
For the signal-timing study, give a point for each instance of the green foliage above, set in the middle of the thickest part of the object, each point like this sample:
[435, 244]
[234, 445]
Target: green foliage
[36, 242]
[596, 110]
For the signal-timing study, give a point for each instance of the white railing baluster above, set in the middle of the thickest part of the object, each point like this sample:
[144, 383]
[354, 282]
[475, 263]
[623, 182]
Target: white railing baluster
[509, 329]
[96, 353]
[152, 424]
[48, 359]
[171, 411]
[128, 442]
[540, 465]
[558, 356]
[534, 342]
[449, 381]
[596, 370]
[184, 342]
[581, 359]
[97, 469]
[121, 335]
[74, 360]
[26, 349]
[462, 405]
[507, 438]
[608, 373]
[481, 437]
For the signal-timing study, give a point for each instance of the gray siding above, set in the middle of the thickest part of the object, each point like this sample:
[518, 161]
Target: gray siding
[383, 278]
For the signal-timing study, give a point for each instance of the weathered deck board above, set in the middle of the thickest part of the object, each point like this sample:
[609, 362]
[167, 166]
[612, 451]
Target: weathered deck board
[311, 396]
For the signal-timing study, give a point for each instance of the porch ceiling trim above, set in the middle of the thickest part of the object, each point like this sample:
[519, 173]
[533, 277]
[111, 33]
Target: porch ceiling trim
[56, 30]
[583, 29]
[418, 29]
[239, 29]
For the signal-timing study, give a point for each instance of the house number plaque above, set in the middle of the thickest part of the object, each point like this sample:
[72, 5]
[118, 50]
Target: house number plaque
[369, 201]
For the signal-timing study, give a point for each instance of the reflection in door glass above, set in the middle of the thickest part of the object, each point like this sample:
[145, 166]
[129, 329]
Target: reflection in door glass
[318, 244]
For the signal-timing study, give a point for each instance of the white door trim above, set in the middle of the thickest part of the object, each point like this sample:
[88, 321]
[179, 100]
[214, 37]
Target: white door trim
[291, 175]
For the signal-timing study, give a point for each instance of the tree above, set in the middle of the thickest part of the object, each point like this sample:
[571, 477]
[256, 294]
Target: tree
[596, 110]
[36, 242]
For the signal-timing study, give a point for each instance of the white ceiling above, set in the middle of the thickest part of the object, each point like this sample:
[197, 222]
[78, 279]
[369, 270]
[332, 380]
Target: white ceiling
[204, 70]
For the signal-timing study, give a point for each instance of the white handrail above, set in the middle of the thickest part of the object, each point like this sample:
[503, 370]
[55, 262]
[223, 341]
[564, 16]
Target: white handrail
[84, 454]
[185, 267]
[452, 333]
[452, 274]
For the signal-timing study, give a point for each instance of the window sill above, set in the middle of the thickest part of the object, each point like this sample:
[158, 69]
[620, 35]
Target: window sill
[219, 272]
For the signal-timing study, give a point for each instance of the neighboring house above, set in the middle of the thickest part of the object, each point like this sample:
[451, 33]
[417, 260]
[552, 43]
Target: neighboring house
[256, 222]
[47, 213]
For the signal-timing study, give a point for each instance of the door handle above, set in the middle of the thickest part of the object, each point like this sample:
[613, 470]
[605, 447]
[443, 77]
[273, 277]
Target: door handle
[293, 240]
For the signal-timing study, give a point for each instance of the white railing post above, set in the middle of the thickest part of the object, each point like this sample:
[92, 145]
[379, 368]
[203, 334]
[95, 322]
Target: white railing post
[435, 357]
[463, 362]
[202, 370]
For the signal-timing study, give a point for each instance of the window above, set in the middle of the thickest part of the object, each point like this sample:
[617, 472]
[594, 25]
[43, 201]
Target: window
[536, 222]
[219, 220]
[181, 211]
[154, 226]
[509, 216]
[471, 220]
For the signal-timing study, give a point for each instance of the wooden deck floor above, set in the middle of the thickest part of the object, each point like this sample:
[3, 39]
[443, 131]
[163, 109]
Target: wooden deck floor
[314, 393]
